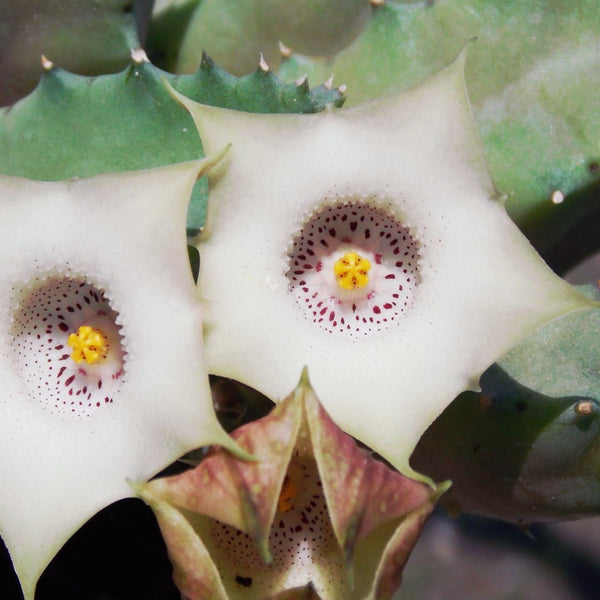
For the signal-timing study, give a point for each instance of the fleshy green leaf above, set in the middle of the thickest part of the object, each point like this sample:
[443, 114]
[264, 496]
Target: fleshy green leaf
[560, 359]
[236, 32]
[76, 126]
[516, 454]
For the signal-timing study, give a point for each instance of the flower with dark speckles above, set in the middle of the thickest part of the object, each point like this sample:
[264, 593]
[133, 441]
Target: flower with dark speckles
[101, 357]
[369, 244]
[314, 517]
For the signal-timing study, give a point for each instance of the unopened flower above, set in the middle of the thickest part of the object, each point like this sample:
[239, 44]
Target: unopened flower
[101, 357]
[314, 516]
[367, 243]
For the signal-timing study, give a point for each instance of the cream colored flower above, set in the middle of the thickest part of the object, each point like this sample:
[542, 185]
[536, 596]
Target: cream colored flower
[101, 357]
[445, 282]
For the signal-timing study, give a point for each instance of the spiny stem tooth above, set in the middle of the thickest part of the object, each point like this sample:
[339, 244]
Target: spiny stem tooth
[584, 407]
[139, 56]
[47, 64]
[262, 65]
[284, 50]
[301, 81]
[329, 83]
[342, 88]
[205, 61]
[557, 197]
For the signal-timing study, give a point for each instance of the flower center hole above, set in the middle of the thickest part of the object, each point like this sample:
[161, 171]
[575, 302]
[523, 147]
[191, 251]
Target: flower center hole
[353, 267]
[351, 271]
[67, 344]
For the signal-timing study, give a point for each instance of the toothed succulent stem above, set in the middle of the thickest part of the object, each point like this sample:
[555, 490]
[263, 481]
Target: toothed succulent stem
[515, 454]
[527, 447]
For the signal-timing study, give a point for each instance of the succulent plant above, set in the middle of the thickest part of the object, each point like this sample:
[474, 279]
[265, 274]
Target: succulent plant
[106, 31]
[368, 242]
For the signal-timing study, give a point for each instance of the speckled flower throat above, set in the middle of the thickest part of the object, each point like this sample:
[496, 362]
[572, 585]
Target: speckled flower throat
[67, 345]
[354, 268]
[302, 542]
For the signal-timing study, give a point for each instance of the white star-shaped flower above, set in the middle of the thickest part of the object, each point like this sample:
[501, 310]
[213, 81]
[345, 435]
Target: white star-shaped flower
[369, 245]
[101, 357]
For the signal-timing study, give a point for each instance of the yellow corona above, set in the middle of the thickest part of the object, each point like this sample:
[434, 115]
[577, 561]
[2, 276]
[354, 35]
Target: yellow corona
[287, 494]
[88, 344]
[351, 271]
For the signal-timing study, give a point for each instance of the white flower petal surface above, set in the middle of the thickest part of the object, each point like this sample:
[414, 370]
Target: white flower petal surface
[414, 156]
[109, 251]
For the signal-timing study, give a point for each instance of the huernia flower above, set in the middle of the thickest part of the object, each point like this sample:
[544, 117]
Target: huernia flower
[315, 516]
[101, 356]
[368, 243]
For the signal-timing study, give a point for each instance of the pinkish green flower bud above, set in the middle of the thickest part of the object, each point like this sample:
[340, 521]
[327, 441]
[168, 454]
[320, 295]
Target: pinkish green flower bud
[314, 514]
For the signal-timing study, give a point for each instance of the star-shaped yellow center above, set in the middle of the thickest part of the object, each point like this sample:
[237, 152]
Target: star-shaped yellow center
[351, 271]
[88, 344]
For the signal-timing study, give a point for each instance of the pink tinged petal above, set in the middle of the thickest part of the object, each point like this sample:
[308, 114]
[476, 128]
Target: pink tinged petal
[397, 548]
[349, 512]
[194, 572]
[362, 492]
[241, 495]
